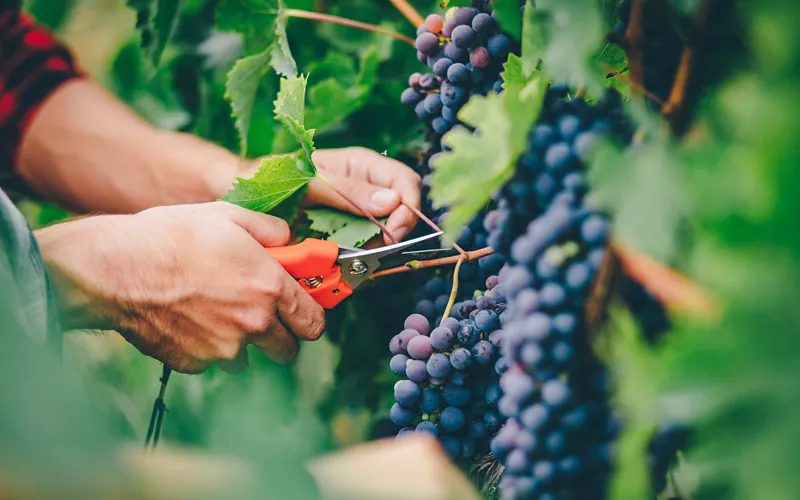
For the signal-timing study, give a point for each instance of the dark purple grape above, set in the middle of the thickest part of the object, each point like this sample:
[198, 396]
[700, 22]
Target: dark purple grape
[454, 395]
[420, 347]
[438, 365]
[400, 416]
[483, 24]
[442, 338]
[417, 322]
[416, 371]
[429, 427]
[499, 46]
[555, 393]
[483, 352]
[441, 66]
[594, 230]
[399, 342]
[427, 43]
[433, 103]
[458, 74]
[398, 364]
[451, 419]
[406, 392]
[468, 333]
[451, 445]
[453, 96]
[411, 97]
[463, 37]
[430, 400]
[461, 359]
[464, 16]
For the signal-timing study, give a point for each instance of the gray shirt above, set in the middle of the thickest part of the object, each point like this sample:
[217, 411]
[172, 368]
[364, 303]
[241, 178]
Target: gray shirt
[22, 268]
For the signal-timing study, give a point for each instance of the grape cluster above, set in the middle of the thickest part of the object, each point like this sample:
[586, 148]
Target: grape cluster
[554, 240]
[466, 52]
[450, 374]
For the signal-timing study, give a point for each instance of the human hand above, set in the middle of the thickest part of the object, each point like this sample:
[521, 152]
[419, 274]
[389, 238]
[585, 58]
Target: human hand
[189, 285]
[377, 183]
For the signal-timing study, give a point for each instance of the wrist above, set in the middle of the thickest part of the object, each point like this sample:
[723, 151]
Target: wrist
[68, 249]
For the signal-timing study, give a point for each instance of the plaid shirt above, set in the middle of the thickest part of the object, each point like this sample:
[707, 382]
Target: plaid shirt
[32, 65]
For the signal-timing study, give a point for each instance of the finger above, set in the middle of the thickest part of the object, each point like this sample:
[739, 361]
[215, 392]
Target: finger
[299, 312]
[400, 224]
[236, 364]
[269, 231]
[375, 199]
[277, 343]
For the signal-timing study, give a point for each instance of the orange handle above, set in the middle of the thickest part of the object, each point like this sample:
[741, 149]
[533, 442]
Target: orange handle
[313, 263]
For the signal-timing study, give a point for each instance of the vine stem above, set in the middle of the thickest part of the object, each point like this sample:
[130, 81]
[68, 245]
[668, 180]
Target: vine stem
[674, 107]
[634, 36]
[633, 84]
[415, 265]
[454, 290]
[316, 16]
[358, 207]
[409, 12]
[432, 224]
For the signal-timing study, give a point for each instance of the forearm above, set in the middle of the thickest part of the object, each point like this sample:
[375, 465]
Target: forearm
[89, 152]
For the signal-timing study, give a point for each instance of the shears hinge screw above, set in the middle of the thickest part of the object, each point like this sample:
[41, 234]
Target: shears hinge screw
[358, 268]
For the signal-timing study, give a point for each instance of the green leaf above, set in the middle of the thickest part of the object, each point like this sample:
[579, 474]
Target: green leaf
[533, 38]
[477, 166]
[277, 179]
[241, 88]
[256, 20]
[342, 227]
[156, 20]
[290, 110]
[644, 189]
[164, 22]
[572, 30]
[335, 98]
[282, 59]
[509, 16]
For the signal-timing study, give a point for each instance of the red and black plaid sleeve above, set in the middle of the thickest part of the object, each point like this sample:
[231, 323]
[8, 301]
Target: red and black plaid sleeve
[32, 65]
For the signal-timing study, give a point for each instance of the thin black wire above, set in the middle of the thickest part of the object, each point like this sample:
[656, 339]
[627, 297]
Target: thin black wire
[159, 408]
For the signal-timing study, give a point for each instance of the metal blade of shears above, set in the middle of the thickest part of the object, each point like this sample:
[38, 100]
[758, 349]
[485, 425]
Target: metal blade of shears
[358, 266]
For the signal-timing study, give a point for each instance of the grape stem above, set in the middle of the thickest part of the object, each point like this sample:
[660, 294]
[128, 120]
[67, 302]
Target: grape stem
[415, 265]
[359, 208]
[316, 16]
[409, 12]
[432, 224]
[454, 290]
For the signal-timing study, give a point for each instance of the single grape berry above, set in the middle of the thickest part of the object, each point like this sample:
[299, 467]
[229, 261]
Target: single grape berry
[427, 43]
[463, 36]
[434, 23]
[479, 57]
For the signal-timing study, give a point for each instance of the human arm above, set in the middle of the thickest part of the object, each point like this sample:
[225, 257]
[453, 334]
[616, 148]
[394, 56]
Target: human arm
[189, 285]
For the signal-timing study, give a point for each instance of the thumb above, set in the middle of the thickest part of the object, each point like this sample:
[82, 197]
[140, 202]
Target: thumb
[377, 200]
[269, 231]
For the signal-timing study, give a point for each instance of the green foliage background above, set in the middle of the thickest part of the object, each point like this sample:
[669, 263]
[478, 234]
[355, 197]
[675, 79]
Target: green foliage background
[719, 204]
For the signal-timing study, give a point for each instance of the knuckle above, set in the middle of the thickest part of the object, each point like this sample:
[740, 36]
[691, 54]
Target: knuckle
[228, 351]
[287, 352]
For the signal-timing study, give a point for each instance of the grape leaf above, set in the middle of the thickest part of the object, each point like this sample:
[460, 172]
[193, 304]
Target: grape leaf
[256, 20]
[277, 178]
[282, 59]
[571, 30]
[290, 110]
[478, 165]
[164, 22]
[156, 20]
[509, 16]
[333, 99]
[342, 227]
[532, 38]
[241, 88]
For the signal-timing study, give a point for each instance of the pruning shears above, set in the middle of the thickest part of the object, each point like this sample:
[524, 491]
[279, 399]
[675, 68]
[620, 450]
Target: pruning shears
[329, 272]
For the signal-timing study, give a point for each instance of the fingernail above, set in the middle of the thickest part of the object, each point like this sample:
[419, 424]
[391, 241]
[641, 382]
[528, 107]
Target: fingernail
[384, 199]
